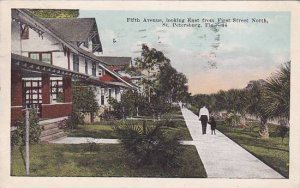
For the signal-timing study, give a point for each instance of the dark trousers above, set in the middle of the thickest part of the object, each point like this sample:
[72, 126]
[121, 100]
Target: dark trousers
[204, 120]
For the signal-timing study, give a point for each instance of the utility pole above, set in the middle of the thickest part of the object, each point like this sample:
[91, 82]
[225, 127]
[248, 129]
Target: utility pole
[123, 111]
[149, 94]
[27, 142]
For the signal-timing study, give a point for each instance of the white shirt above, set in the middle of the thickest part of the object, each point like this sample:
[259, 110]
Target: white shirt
[204, 111]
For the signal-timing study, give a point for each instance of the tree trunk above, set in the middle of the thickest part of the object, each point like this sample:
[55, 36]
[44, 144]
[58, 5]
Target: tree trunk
[243, 121]
[149, 100]
[233, 122]
[92, 117]
[144, 127]
[264, 131]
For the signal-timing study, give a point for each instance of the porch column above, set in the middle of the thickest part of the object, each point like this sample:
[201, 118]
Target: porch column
[67, 85]
[16, 89]
[16, 97]
[46, 88]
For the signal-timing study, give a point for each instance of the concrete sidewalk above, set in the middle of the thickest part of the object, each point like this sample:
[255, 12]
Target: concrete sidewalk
[223, 158]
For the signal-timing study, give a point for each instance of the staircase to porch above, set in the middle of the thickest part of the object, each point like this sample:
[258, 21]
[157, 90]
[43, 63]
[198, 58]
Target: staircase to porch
[51, 130]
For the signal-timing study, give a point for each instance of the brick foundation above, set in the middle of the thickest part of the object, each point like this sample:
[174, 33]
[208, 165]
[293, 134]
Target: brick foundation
[56, 110]
[16, 89]
[16, 97]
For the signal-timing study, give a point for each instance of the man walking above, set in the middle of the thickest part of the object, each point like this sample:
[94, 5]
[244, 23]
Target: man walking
[204, 118]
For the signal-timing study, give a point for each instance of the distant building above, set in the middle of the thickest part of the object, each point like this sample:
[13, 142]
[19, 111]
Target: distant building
[113, 72]
[118, 63]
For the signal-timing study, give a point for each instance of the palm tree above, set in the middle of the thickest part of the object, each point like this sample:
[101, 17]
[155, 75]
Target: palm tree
[277, 93]
[257, 106]
[243, 104]
[271, 99]
[234, 104]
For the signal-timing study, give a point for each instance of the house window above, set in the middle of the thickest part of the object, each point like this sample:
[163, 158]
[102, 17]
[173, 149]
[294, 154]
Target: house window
[94, 69]
[109, 93]
[35, 56]
[75, 63]
[86, 66]
[24, 34]
[57, 91]
[100, 72]
[45, 57]
[33, 94]
[102, 96]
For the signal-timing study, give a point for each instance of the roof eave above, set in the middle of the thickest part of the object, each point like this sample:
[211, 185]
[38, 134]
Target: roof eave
[38, 22]
[35, 65]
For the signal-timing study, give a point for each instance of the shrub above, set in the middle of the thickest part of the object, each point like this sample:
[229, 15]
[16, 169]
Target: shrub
[134, 104]
[84, 99]
[159, 106]
[174, 109]
[107, 115]
[74, 120]
[149, 146]
[282, 131]
[232, 119]
[18, 135]
[116, 108]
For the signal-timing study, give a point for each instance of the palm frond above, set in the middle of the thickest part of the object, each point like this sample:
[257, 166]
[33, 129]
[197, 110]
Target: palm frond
[277, 93]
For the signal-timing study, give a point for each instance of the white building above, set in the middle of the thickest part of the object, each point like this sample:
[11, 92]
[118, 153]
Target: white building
[112, 71]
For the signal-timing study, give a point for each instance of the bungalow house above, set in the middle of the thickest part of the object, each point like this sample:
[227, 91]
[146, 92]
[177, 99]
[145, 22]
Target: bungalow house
[47, 55]
[45, 61]
[83, 32]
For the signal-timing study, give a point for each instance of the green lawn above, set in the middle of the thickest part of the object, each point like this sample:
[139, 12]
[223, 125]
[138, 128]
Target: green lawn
[97, 160]
[94, 131]
[272, 151]
[104, 129]
[179, 127]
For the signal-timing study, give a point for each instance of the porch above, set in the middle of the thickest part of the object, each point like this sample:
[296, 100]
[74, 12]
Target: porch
[43, 86]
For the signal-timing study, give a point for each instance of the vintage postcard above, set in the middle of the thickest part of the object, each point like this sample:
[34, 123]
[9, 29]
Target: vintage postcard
[135, 94]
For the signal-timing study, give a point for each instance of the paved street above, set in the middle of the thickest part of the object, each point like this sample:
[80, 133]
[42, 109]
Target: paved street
[223, 158]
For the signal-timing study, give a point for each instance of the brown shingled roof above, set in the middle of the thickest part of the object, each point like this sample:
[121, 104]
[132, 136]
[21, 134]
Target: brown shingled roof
[74, 29]
[115, 61]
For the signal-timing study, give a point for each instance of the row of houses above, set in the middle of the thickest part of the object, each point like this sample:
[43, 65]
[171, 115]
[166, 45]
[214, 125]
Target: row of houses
[48, 55]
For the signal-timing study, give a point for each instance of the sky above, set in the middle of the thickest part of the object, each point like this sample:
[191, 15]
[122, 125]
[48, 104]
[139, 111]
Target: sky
[212, 60]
